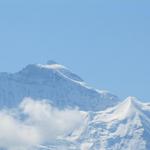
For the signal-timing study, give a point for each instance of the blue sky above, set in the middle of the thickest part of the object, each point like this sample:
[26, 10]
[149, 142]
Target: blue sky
[107, 43]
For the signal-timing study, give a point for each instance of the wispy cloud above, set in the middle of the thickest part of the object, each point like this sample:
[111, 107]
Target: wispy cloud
[42, 122]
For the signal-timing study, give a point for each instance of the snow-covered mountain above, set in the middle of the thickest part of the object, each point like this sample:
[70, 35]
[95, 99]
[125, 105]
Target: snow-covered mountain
[107, 123]
[123, 127]
[54, 82]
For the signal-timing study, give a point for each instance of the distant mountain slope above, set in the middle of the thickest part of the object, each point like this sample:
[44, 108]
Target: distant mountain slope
[53, 82]
[123, 127]
[107, 123]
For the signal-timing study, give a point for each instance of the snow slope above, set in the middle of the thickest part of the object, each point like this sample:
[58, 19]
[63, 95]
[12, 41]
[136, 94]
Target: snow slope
[123, 127]
[54, 82]
[108, 124]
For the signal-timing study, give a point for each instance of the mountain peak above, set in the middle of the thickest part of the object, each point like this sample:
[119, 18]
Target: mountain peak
[132, 99]
[51, 62]
[128, 108]
[127, 121]
[46, 71]
[56, 83]
[131, 103]
[52, 66]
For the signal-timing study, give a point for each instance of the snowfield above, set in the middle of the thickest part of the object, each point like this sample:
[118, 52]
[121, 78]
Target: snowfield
[47, 107]
[123, 127]
[55, 83]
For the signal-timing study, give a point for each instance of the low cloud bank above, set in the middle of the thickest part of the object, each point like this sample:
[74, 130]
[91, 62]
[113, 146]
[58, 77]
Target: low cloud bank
[34, 123]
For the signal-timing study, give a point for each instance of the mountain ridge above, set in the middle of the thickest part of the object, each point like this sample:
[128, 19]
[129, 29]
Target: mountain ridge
[107, 122]
[54, 82]
[101, 131]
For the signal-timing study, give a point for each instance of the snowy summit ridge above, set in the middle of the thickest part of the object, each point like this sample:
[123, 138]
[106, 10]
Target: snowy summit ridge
[54, 82]
[105, 123]
[122, 127]
[125, 126]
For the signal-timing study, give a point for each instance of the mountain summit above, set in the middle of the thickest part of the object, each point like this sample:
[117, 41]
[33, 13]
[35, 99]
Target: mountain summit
[54, 82]
[125, 126]
[106, 123]
[51, 62]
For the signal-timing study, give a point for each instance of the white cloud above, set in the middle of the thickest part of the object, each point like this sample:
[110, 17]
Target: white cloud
[15, 135]
[41, 123]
